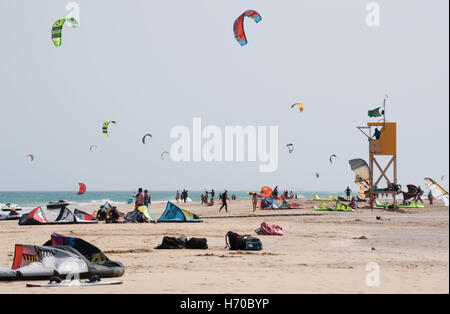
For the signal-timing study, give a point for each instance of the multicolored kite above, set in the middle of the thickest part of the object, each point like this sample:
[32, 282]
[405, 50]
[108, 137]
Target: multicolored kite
[361, 169]
[299, 105]
[57, 29]
[164, 154]
[105, 126]
[238, 27]
[82, 188]
[290, 147]
[331, 160]
[143, 138]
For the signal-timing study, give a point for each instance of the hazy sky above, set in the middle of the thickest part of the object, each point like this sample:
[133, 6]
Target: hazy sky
[152, 65]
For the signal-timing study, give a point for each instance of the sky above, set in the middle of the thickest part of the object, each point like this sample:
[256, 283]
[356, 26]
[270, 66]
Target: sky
[154, 65]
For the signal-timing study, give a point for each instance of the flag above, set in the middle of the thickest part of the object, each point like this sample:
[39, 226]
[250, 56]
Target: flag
[375, 112]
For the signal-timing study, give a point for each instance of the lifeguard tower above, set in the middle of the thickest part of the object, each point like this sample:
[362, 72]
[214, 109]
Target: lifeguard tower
[385, 145]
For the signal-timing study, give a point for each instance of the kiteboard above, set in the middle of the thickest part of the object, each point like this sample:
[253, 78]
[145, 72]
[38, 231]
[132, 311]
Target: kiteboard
[74, 284]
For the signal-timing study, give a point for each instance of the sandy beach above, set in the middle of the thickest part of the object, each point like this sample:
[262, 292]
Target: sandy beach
[321, 252]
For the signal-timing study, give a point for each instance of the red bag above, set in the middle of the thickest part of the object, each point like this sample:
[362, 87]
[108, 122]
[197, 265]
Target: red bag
[271, 230]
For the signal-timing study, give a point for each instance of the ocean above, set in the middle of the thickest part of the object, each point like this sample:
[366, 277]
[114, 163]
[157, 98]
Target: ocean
[30, 200]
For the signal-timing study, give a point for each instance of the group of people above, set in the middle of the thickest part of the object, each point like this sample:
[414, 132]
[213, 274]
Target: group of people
[183, 196]
[285, 194]
[205, 197]
[142, 198]
[208, 199]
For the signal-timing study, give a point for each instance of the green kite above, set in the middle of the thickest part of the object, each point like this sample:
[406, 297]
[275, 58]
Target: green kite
[57, 29]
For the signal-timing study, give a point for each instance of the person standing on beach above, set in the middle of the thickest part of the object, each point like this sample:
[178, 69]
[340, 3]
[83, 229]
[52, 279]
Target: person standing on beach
[348, 192]
[372, 200]
[430, 197]
[254, 201]
[212, 194]
[146, 198]
[418, 196]
[275, 192]
[224, 201]
[206, 197]
[139, 198]
[185, 196]
[177, 197]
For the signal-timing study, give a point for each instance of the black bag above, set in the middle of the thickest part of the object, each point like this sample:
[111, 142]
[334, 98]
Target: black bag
[135, 216]
[171, 243]
[197, 243]
[235, 241]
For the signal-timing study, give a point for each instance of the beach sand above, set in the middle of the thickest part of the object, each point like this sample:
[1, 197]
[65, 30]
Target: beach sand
[321, 252]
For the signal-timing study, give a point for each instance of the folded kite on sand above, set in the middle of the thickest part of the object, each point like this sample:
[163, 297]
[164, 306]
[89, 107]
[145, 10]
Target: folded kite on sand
[339, 207]
[66, 216]
[172, 214]
[10, 216]
[60, 257]
[267, 229]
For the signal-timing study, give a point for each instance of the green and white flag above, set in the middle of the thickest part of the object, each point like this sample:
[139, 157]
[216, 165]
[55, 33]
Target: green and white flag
[375, 112]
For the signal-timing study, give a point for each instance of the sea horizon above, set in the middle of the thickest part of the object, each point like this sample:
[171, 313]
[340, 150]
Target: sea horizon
[31, 199]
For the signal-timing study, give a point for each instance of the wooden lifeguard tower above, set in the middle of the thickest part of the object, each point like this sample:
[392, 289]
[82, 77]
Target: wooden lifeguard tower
[385, 145]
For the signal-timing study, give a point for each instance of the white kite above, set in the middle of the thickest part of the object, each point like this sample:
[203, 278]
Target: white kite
[438, 191]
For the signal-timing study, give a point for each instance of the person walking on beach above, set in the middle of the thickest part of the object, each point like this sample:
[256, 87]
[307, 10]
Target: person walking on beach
[146, 198]
[177, 197]
[224, 201]
[212, 194]
[139, 198]
[430, 197]
[348, 192]
[254, 201]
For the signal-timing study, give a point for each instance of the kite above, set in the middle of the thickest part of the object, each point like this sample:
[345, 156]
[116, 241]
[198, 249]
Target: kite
[238, 27]
[299, 105]
[361, 169]
[442, 178]
[290, 147]
[82, 188]
[438, 191]
[31, 157]
[317, 175]
[92, 146]
[163, 154]
[57, 29]
[105, 126]
[143, 138]
[331, 161]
